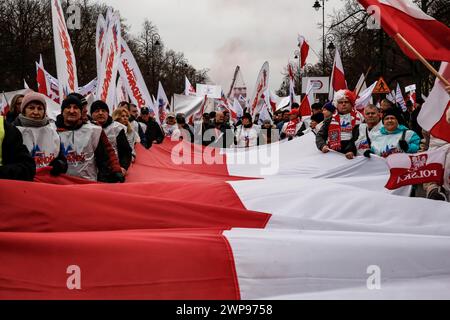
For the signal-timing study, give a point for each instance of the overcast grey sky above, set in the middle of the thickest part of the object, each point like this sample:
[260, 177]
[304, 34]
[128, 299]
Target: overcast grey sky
[220, 34]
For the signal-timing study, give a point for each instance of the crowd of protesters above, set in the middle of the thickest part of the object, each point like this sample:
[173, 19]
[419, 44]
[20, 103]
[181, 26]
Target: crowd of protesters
[99, 145]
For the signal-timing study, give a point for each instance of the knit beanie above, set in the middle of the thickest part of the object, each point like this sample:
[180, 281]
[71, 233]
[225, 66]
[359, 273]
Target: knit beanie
[99, 104]
[33, 97]
[69, 100]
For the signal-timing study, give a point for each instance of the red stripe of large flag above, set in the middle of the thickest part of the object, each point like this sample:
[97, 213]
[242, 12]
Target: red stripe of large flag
[429, 37]
[432, 114]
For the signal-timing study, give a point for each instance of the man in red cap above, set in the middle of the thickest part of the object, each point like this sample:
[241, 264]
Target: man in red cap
[295, 126]
[340, 132]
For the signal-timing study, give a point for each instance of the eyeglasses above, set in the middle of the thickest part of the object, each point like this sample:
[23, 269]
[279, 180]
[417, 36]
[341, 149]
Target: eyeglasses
[343, 101]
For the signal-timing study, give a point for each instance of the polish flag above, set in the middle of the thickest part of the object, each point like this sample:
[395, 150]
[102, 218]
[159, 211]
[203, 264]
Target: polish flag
[432, 114]
[189, 90]
[337, 76]
[410, 169]
[304, 50]
[211, 240]
[41, 78]
[429, 37]
[365, 97]
[308, 100]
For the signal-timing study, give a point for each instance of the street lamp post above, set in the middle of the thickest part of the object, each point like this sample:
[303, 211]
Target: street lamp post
[155, 39]
[317, 7]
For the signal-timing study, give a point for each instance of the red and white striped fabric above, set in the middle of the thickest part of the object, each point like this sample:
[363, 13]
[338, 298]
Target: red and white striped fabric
[155, 238]
[432, 116]
[337, 77]
[429, 37]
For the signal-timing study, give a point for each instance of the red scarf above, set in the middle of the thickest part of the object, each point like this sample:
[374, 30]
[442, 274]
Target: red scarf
[292, 127]
[334, 130]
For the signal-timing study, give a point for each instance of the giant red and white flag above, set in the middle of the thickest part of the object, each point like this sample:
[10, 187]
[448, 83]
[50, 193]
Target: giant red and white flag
[337, 81]
[65, 58]
[221, 229]
[428, 36]
[411, 169]
[106, 88]
[304, 50]
[189, 90]
[133, 80]
[432, 114]
[262, 83]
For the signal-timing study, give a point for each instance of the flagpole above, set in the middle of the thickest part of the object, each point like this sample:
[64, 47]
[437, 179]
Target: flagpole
[365, 78]
[422, 59]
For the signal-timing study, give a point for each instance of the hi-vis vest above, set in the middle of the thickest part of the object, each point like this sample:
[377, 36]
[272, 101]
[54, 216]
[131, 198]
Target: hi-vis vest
[112, 131]
[79, 148]
[43, 143]
[387, 144]
[2, 136]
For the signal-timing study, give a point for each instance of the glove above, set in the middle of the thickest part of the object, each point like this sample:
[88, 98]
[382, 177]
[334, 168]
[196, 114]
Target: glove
[403, 145]
[367, 153]
[58, 167]
[119, 177]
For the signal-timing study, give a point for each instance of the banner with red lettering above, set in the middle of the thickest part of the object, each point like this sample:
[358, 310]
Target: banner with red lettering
[65, 58]
[100, 40]
[133, 80]
[262, 83]
[409, 169]
[106, 88]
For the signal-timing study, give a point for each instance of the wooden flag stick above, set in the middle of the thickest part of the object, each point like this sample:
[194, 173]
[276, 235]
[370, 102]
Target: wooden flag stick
[365, 78]
[422, 59]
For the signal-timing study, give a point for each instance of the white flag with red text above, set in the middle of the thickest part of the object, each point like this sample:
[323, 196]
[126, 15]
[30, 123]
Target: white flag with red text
[65, 58]
[262, 83]
[133, 80]
[189, 90]
[106, 88]
[410, 169]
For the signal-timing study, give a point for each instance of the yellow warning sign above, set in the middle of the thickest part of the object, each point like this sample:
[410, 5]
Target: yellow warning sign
[381, 86]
